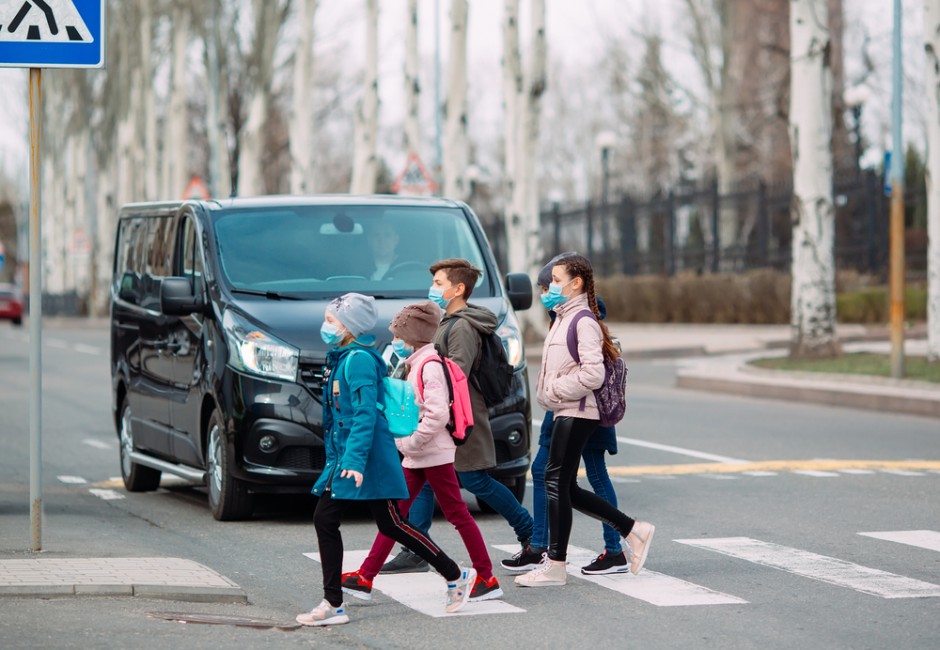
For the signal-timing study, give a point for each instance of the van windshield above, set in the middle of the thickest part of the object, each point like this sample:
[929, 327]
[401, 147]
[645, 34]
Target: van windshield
[319, 251]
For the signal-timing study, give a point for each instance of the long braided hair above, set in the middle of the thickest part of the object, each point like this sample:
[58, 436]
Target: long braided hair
[579, 266]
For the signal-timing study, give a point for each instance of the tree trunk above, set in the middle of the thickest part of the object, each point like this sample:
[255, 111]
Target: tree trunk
[813, 309]
[932, 47]
[455, 128]
[151, 170]
[365, 163]
[175, 141]
[531, 122]
[412, 85]
[512, 93]
[301, 130]
[220, 167]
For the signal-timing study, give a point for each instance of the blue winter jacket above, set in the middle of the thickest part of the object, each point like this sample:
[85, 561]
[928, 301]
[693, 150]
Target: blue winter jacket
[355, 433]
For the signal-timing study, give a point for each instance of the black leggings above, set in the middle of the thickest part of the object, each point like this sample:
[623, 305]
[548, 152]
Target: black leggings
[562, 490]
[327, 519]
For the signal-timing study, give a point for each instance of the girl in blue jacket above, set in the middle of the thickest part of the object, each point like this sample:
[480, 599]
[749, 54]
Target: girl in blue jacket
[362, 462]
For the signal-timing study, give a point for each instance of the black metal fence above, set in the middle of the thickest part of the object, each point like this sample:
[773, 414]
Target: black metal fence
[682, 231]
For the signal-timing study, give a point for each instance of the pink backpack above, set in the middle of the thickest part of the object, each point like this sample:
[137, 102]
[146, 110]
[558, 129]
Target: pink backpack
[461, 413]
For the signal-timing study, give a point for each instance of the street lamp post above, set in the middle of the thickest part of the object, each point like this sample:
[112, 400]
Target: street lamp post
[605, 141]
[854, 98]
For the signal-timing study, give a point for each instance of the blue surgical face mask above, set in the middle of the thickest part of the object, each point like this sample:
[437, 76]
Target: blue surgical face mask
[554, 297]
[331, 334]
[402, 349]
[436, 295]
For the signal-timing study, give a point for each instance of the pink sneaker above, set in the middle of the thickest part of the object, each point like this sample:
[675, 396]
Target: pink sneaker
[324, 614]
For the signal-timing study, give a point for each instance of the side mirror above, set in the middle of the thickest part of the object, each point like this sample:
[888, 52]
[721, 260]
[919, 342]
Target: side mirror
[129, 290]
[519, 290]
[177, 299]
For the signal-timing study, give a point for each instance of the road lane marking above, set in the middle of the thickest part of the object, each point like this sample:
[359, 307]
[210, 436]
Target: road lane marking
[928, 539]
[902, 472]
[619, 479]
[858, 472]
[107, 495]
[649, 586]
[772, 466]
[718, 477]
[72, 480]
[818, 567]
[422, 592]
[681, 451]
[761, 473]
[815, 472]
[98, 444]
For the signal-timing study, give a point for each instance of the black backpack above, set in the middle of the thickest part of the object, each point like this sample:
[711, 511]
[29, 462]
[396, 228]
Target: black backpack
[492, 373]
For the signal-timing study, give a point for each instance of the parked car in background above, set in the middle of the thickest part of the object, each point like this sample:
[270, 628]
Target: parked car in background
[216, 357]
[11, 304]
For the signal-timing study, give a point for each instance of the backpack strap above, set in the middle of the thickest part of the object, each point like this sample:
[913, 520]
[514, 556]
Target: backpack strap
[450, 326]
[451, 427]
[346, 360]
[572, 340]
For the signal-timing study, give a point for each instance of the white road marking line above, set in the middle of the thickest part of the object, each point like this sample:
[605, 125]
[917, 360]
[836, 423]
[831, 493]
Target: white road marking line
[649, 586]
[107, 495]
[422, 592]
[760, 473]
[719, 477]
[659, 477]
[88, 349]
[818, 567]
[902, 472]
[928, 539]
[815, 472]
[620, 479]
[98, 444]
[72, 480]
[857, 471]
[537, 424]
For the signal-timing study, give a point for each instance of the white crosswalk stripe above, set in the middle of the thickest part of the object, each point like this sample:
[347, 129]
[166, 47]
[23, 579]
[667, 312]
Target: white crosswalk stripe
[649, 586]
[857, 471]
[815, 472]
[760, 473]
[902, 472]
[819, 567]
[71, 480]
[928, 539]
[422, 592]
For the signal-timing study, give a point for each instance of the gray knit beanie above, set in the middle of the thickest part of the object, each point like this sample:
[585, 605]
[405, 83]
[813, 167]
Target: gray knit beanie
[417, 323]
[545, 275]
[356, 312]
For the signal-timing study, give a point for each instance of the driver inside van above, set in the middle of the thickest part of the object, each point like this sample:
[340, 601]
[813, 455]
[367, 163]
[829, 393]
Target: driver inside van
[383, 241]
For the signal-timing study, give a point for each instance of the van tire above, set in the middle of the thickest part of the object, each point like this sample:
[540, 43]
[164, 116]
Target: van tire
[137, 478]
[229, 498]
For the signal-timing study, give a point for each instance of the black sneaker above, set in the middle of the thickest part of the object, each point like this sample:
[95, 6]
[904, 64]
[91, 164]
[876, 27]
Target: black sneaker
[607, 563]
[525, 560]
[405, 562]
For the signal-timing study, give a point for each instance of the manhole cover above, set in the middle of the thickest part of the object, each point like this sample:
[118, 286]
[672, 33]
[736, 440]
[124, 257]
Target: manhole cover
[221, 619]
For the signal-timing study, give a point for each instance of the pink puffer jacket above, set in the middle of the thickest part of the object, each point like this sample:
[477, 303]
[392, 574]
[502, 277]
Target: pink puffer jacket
[562, 382]
[430, 445]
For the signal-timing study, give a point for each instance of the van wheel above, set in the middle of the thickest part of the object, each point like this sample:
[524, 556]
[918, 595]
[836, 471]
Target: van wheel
[137, 478]
[229, 499]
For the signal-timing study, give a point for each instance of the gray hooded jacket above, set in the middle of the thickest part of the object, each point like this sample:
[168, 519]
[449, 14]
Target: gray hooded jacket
[463, 345]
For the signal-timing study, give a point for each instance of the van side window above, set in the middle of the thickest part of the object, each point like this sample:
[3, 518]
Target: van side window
[128, 266]
[158, 251]
[191, 267]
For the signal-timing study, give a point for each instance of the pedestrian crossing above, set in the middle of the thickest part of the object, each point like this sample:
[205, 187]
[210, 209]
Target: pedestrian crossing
[424, 592]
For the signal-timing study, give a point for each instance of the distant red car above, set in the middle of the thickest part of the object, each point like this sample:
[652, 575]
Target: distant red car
[11, 304]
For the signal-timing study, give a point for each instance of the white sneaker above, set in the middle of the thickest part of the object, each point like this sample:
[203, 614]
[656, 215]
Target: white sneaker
[324, 614]
[639, 540]
[458, 593]
[549, 573]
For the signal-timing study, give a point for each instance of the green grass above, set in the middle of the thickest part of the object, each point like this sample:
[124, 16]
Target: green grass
[861, 363]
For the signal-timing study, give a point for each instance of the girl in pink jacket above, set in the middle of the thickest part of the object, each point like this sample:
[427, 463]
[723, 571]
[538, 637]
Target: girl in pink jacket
[428, 455]
[566, 388]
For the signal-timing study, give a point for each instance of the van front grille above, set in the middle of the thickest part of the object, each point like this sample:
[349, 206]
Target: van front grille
[302, 458]
[311, 375]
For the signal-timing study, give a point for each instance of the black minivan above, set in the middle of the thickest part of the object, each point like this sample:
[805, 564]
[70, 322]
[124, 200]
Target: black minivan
[216, 306]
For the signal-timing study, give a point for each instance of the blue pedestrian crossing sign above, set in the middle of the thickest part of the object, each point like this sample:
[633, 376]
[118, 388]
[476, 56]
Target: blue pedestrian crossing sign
[52, 33]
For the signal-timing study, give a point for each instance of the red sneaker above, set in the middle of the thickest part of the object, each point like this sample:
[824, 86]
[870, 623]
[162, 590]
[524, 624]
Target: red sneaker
[357, 586]
[485, 589]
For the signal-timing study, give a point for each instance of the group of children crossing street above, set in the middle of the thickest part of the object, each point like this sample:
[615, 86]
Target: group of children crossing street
[398, 478]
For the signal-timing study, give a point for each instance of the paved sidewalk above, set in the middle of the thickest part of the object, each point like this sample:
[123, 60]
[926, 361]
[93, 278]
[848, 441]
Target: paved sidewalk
[148, 577]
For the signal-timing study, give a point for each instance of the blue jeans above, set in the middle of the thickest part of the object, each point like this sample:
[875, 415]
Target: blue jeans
[489, 490]
[599, 479]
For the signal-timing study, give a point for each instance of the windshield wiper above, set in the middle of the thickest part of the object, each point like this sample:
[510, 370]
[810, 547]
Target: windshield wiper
[270, 295]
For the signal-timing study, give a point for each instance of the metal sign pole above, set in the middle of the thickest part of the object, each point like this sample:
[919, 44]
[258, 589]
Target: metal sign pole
[35, 311]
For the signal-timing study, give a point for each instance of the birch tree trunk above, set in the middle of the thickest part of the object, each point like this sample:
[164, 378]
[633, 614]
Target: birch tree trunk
[531, 123]
[512, 94]
[455, 128]
[365, 163]
[812, 305]
[301, 127]
[268, 16]
[932, 47]
[151, 170]
[220, 167]
[175, 149]
[412, 85]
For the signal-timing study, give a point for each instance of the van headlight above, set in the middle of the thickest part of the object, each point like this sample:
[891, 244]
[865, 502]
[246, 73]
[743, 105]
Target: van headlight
[512, 341]
[257, 352]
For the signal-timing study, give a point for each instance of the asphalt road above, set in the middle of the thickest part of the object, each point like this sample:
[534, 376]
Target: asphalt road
[780, 589]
